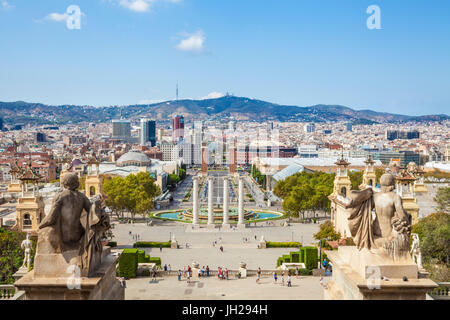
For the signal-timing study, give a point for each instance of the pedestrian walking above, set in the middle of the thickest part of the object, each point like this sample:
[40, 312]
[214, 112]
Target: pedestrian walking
[160, 249]
[226, 273]
[221, 249]
[289, 283]
[258, 275]
[275, 277]
[179, 275]
[207, 271]
[282, 279]
[170, 268]
[296, 273]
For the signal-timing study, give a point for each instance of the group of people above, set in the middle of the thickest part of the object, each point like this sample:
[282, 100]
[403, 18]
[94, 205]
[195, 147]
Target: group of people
[289, 279]
[187, 273]
[167, 267]
[222, 274]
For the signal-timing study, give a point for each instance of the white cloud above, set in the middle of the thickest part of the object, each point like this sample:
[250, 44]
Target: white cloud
[57, 17]
[5, 5]
[213, 95]
[192, 42]
[140, 5]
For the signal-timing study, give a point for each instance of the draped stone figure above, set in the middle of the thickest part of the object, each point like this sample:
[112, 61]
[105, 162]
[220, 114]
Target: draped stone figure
[378, 221]
[71, 234]
[96, 223]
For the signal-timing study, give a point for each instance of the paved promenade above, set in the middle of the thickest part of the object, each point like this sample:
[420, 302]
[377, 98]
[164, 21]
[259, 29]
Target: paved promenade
[169, 288]
[200, 243]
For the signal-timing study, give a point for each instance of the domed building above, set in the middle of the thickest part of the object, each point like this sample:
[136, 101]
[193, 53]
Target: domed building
[134, 158]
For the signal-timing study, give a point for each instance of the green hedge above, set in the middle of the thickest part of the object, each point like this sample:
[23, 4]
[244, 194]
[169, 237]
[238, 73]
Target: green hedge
[306, 255]
[128, 263]
[311, 257]
[155, 260]
[270, 244]
[152, 244]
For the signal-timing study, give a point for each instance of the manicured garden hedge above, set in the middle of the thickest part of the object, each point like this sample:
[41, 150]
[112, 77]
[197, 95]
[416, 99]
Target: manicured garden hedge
[128, 263]
[306, 255]
[270, 244]
[155, 260]
[311, 257]
[152, 244]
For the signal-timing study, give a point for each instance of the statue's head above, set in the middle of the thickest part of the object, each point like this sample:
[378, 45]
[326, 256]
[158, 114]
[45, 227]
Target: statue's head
[70, 181]
[387, 182]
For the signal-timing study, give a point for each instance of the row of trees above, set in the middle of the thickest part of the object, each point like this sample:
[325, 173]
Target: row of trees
[256, 174]
[305, 192]
[133, 194]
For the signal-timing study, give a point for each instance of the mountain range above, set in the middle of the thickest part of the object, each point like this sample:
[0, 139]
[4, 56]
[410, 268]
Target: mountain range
[238, 108]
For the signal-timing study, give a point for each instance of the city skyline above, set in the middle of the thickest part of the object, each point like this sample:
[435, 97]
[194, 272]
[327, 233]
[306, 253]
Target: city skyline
[297, 53]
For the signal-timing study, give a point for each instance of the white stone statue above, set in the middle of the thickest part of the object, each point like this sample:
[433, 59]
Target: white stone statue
[263, 239]
[415, 250]
[27, 247]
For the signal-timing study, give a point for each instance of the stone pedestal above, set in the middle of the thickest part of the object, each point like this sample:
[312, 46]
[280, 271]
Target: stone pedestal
[20, 273]
[102, 286]
[243, 270]
[357, 275]
[174, 245]
[225, 226]
[263, 245]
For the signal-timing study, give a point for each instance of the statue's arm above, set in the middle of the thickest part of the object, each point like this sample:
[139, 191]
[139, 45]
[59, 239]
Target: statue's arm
[401, 213]
[52, 217]
[86, 203]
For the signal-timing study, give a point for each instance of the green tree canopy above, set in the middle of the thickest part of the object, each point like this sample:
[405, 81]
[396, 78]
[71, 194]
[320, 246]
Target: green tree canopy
[326, 231]
[356, 177]
[434, 234]
[443, 199]
[133, 194]
[305, 191]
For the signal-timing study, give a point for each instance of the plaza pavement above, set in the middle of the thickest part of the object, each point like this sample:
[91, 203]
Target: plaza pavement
[201, 247]
[169, 288]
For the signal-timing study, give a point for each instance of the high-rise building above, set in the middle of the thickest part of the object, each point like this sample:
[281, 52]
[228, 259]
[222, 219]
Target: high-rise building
[121, 129]
[349, 126]
[39, 137]
[178, 128]
[310, 128]
[148, 132]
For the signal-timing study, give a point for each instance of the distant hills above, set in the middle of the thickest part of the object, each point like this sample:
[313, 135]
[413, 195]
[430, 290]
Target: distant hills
[240, 108]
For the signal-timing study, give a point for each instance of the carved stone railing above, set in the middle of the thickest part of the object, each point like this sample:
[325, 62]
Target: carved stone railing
[442, 292]
[7, 291]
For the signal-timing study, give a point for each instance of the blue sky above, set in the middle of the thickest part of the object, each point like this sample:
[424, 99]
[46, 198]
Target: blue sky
[285, 51]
